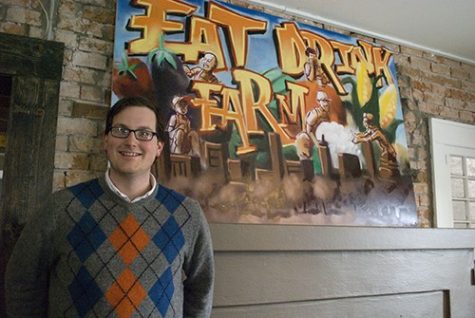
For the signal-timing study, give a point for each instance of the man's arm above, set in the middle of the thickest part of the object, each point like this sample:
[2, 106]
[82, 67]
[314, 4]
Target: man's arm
[199, 269]
[27, 273]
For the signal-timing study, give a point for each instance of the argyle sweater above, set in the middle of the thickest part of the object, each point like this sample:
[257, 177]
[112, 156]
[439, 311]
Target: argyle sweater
[90, 253]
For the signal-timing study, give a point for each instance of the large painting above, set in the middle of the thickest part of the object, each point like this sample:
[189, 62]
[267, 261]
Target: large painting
[268, 120]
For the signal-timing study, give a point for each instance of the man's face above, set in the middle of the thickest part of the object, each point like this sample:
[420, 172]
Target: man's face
[130, 157]
[182, 107]
[322, 100]
[208, 62]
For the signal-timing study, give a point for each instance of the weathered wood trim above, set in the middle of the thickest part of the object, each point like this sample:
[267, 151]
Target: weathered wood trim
[260, 237]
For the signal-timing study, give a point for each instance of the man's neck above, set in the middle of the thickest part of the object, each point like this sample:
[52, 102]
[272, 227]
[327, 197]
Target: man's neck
[132, 187]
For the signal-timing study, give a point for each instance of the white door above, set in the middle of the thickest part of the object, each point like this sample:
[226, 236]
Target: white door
[453, 168]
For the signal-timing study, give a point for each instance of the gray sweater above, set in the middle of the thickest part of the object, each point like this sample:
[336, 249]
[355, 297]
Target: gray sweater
[89, 253]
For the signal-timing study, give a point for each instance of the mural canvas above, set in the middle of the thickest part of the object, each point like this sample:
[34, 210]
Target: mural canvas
[269, 120]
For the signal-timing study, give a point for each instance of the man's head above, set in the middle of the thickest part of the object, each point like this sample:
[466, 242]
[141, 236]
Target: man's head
[367, 120]
[209, 61]
[137, 101]
[180, 104]
[322, 100]
[133, 137]
[311, 53]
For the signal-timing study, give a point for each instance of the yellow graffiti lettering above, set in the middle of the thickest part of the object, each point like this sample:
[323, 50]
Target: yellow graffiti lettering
[382, 57]
[296, 111]
[237, 27]
[253, 104]
[154, 22]
[203, 37]
[343, 50]
[291, 49]
[363, 54]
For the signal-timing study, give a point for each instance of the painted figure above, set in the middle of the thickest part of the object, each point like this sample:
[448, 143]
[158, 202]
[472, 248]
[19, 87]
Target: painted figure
[306, 139]
[313, 69]
[388, 166]
[204, 72]
[183, 140]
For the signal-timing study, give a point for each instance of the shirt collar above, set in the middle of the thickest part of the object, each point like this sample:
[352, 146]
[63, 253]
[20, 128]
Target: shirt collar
[114, 189]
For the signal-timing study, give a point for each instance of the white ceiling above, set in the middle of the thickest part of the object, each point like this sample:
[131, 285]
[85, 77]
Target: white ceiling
[445, 27]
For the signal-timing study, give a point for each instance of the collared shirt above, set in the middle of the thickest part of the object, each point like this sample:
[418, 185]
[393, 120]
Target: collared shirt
[111, 185]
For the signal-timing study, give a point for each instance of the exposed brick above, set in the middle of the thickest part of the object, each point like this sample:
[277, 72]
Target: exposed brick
[59, 180]
[449, 113]
[61, 143]
[98, 162]
[68, 9]
[421, 63]
[91, 111]
[460, 73]
[448, 61]
[92, 60]
[23, 15]
[70, 89]
[20, 3]
[467, 116]
[468, 86]
[98, 14]
[421, 187]
[79, 143]
[454, 103]
[76, 126]
[92, 93]
[36, 32]
[70, 160]
[69, 38]
[65, 106]
[441, 80]
[94, 45]
[73, 177]
[394, 48]
[411, 51]
[14, 28]
[440, 68]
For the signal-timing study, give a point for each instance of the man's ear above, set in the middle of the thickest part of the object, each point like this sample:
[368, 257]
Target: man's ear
[160, 146]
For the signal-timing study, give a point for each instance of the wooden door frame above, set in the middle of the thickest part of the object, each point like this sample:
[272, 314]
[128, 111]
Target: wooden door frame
[35, 67]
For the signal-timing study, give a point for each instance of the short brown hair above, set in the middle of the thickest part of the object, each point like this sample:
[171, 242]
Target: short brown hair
[136, 101]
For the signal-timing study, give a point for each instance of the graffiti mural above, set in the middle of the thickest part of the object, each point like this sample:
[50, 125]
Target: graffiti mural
[268, 120]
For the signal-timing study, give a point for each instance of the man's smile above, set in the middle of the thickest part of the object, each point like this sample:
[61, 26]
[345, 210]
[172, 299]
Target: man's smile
[129, 154]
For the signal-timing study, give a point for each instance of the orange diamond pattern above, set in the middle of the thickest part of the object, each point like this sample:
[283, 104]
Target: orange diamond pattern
[129, 239]
[126, 294]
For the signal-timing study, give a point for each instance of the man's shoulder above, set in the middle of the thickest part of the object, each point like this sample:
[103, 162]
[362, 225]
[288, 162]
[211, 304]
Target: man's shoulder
[84, 190]
[172, 199]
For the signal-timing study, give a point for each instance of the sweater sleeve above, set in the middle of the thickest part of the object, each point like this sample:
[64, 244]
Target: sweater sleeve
[199, 270]
[27, 272]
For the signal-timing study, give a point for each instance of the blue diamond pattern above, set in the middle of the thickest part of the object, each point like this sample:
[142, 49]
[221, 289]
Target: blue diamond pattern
[86, 236]
[170, 199]
[162, 292]
[87, 193]
[84, 292]
[170, 239]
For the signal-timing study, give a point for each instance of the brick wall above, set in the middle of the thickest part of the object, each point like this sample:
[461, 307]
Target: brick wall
[430, 86]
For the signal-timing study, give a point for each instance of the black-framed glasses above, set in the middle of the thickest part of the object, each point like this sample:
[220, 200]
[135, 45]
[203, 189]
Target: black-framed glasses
[140, 134]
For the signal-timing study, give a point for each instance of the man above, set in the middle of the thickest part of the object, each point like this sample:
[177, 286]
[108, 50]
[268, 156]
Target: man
[204, 72]
[183, 140]
[388, 164]
[117, 246]
[305, 140]
[312, 68]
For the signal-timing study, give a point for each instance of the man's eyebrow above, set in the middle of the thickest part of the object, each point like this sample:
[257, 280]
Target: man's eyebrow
[138, 128]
